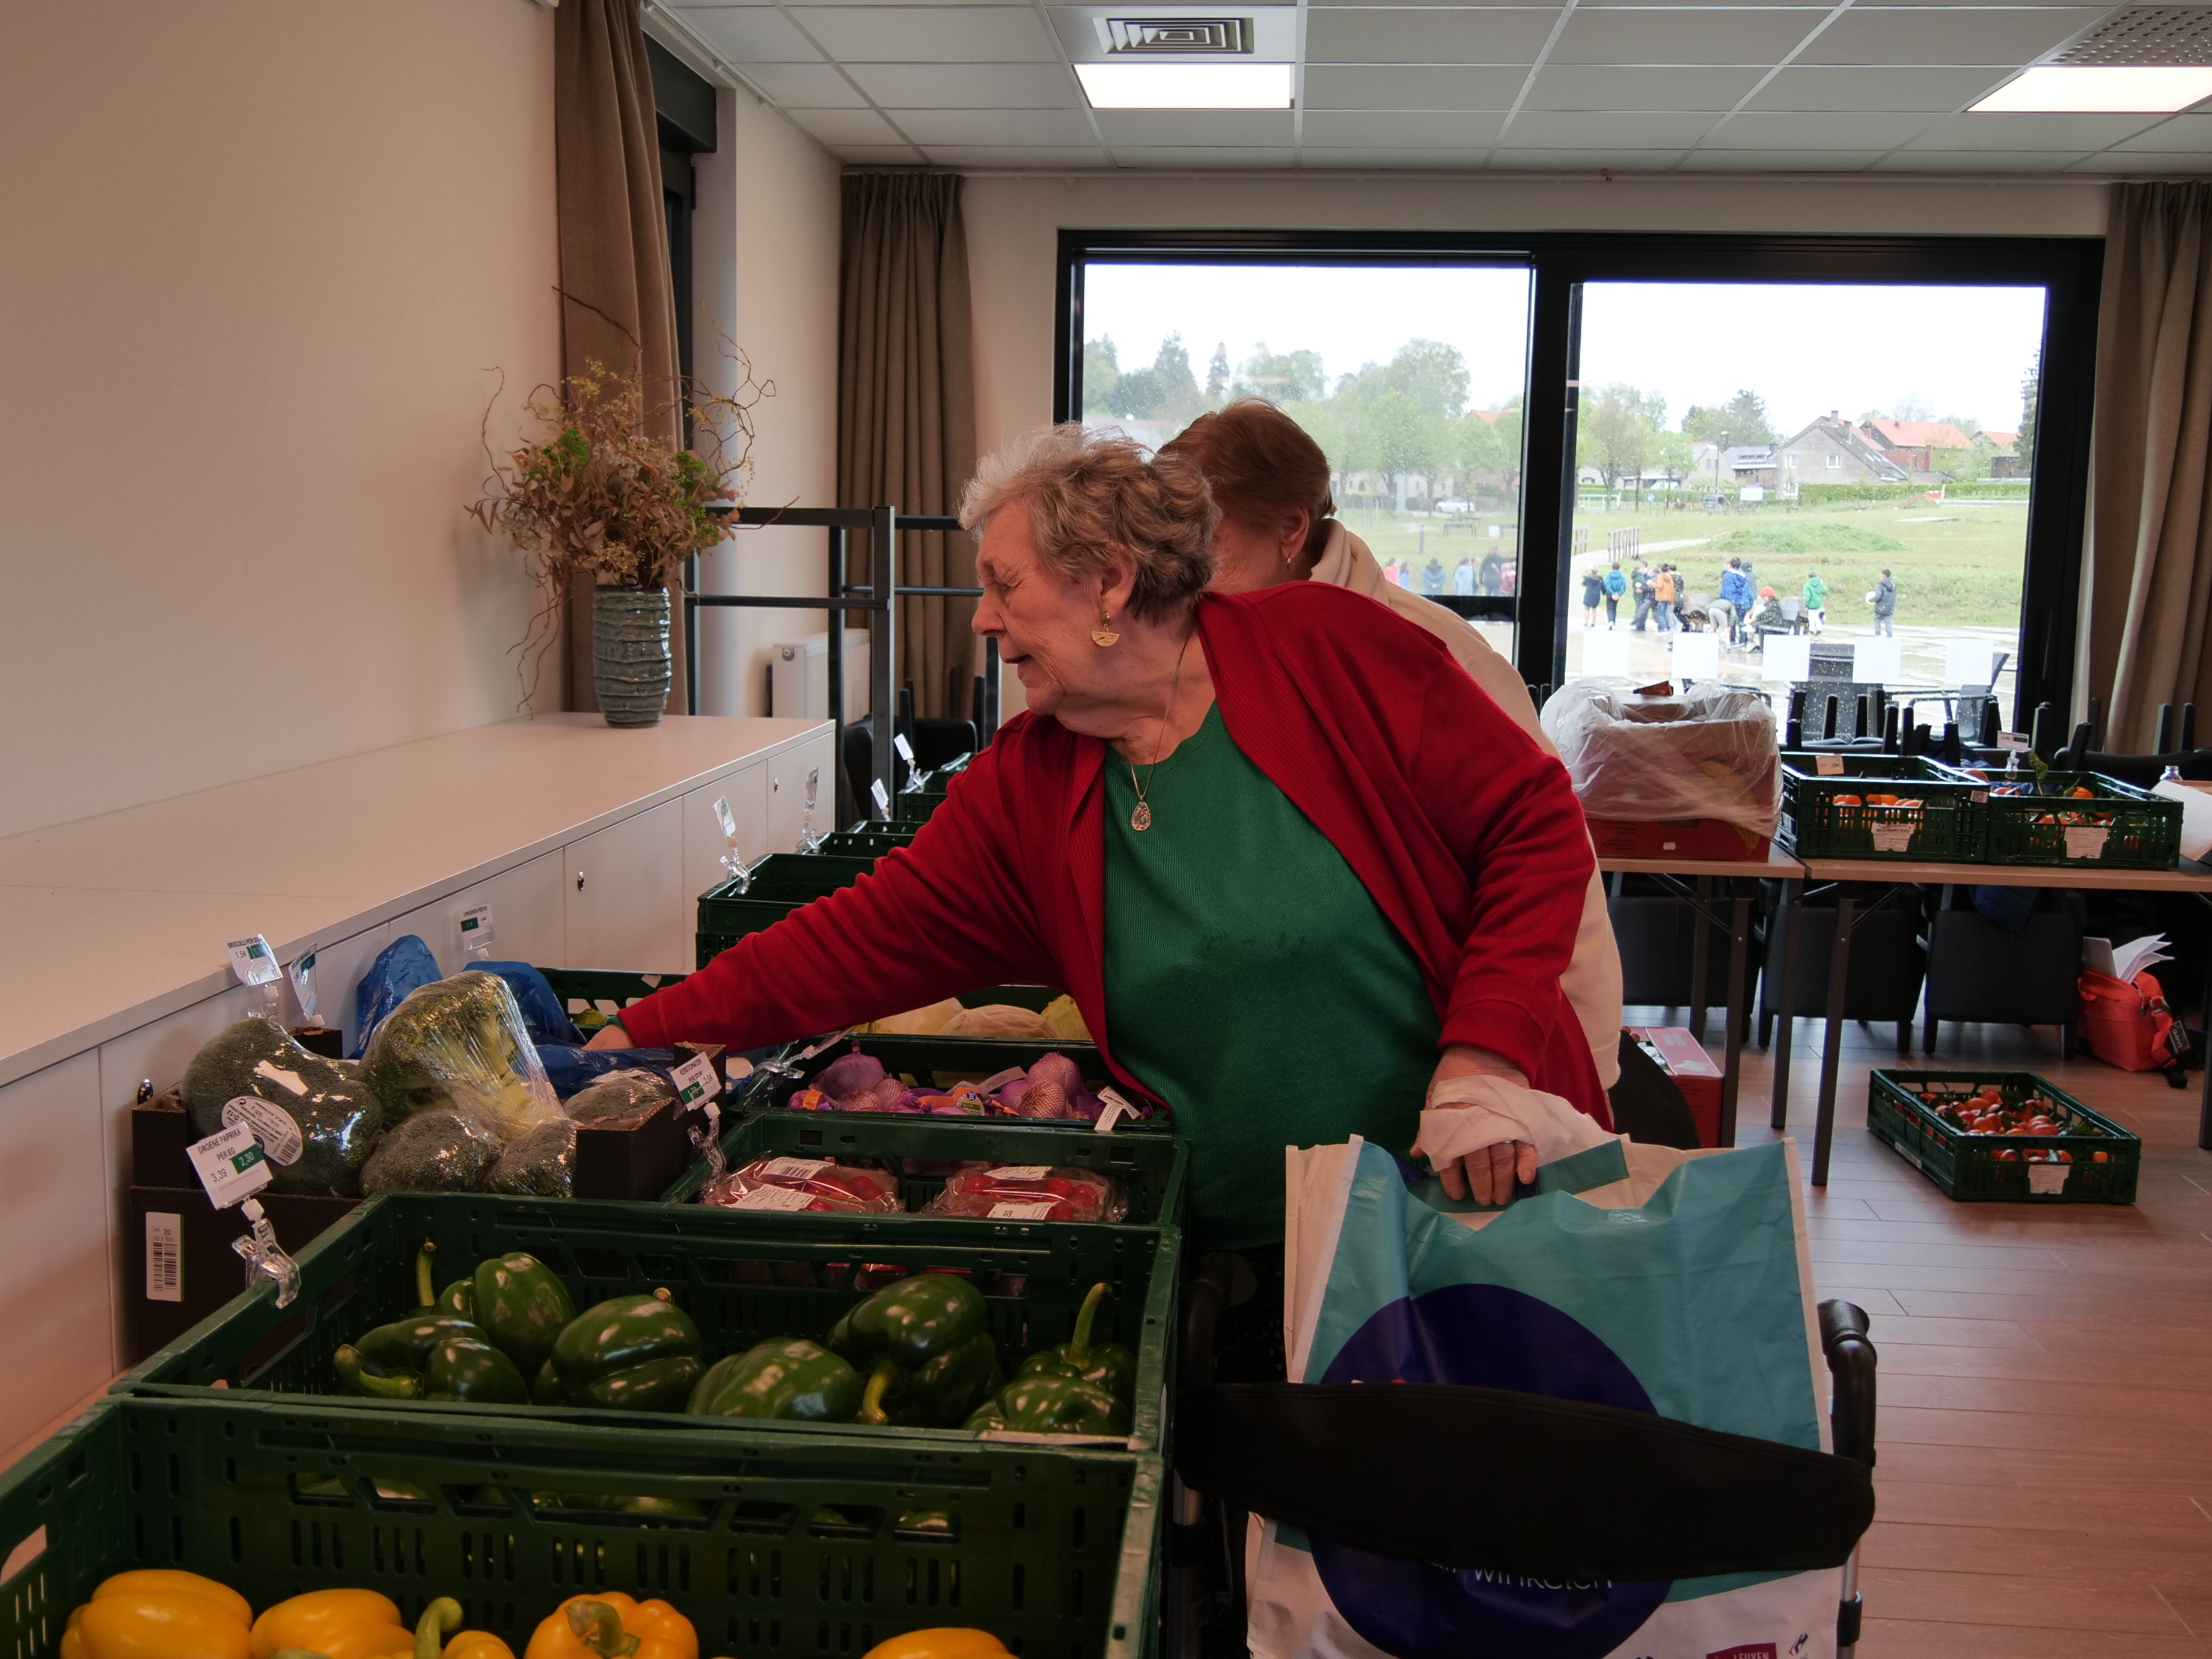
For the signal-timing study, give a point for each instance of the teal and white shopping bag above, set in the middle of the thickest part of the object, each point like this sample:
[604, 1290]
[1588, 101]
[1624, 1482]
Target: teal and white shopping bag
[1656, 1281]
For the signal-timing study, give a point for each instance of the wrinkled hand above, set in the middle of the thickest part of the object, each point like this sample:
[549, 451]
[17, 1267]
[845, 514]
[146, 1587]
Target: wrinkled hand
[610, 1037]
[1488, 1173]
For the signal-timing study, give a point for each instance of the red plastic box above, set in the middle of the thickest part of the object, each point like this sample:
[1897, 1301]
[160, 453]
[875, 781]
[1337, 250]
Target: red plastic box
[1683, 838]
[1695, 1073]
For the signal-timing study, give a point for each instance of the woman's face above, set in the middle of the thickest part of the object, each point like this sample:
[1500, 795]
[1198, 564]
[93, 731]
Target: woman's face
[1041, 621]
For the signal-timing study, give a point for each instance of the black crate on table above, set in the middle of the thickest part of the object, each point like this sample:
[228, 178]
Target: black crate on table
[1970, 1167]
[593, 997]
[777, 886]
[743, 1276]
[1151, 1171]
[790, 1548]
[2115, 826]
[1824, 814]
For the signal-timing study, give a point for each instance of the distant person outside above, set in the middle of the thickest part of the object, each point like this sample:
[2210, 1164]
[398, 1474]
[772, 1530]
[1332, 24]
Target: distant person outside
[1735, 593]
[1432, 579]
[1615, 585]
[1492, 575]
[1816, 603]
[1463, 578]
[1884, 598]
[1593, 591]
[1639, 584]
[1663, 597]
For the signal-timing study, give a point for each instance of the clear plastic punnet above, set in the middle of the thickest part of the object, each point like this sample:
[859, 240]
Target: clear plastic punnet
[1030, 1192]
[1708, 752]
[818, 1184]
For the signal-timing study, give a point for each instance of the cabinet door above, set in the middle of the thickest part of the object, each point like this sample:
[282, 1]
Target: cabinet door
[627, 906]
[747, 793]
[789, 776]
[528, 917]
[56, 1299]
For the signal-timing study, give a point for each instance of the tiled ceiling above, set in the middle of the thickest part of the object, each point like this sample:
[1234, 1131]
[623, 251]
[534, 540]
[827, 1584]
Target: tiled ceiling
[1617, 84]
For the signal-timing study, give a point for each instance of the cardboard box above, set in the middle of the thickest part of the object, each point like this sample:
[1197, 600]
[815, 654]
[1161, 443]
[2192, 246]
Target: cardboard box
[179, 1267]
[1681, 838]
[1696, 1074]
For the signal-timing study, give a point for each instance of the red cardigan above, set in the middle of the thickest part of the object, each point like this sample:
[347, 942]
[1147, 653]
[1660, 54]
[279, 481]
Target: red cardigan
[1467, 834]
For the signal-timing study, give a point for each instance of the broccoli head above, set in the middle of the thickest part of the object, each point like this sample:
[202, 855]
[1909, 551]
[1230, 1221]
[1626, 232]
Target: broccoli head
[459, 1045]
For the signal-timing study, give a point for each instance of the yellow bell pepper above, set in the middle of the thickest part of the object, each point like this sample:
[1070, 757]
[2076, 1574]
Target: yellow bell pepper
[944, 1642]
[440, 1616]
[159, 1614]
[613, 1627]
[338, 1624]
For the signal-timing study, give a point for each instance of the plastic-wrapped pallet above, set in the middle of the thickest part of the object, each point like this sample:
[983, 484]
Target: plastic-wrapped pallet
[1705, 761]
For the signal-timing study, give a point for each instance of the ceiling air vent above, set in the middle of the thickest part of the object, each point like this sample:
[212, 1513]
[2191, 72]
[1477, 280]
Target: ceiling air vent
[1183, 36]
[2178, 37]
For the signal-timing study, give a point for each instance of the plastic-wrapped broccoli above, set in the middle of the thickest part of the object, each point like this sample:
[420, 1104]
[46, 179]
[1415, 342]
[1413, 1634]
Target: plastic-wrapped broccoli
[620, 1094]
[541, 1164]
[435, 1152]
[458, 1045]
[315, 1119]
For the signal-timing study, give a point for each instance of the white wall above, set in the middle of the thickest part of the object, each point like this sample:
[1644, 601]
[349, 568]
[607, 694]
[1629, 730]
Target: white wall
[766, 236]
[1013, 222]
[259, 258]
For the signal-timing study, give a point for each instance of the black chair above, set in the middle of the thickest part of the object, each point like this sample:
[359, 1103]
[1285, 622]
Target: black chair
[1888, 964]
[1979, 971]
[1663, 963]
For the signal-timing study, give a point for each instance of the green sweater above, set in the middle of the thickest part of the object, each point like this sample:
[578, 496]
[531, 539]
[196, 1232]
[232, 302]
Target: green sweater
[1253, 983]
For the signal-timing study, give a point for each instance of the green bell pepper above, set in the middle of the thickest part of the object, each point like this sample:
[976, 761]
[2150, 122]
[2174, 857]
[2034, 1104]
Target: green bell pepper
[524, 1306]
[458, 1300]
[922, 1340]
[1107, 1365]
[638, 1353]
[790, 1377]
[545, 1388]
[430, 1358]
[1059, 1405]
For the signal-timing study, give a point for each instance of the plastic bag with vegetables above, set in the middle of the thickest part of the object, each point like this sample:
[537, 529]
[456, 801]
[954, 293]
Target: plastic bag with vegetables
[433, 1152]
[458, 1046]
[621, 1095]
[315, 1118]
[855, 1083]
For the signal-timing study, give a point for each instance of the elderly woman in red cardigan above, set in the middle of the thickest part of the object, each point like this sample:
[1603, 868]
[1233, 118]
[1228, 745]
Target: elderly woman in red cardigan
[1299, 873]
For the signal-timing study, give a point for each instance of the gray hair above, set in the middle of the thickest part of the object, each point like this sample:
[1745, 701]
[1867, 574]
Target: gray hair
[1096, 503]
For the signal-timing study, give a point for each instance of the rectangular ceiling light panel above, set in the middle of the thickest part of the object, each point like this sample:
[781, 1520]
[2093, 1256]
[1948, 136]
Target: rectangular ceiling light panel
[1132, 83]
[2071, 89]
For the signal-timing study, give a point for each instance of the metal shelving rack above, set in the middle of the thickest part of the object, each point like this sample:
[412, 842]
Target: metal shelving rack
[883, 526]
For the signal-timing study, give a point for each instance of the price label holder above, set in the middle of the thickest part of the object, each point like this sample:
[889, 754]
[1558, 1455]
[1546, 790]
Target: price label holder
[732, 861]
[882, 797]
[477, 932]
[232, 1168]
[905, 749]
[726, 819]
[697, 1084]
[1828, 765]
[1117, 1108]
[302, 973]
[255, 964]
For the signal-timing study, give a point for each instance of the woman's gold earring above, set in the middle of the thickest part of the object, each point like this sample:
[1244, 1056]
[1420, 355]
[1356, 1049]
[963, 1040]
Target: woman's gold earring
[1104, 634]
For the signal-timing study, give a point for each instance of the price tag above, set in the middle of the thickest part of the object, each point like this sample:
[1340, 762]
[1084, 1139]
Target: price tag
[997, 1080]
[1022, 1172]
[165, 1257]
[302, 974]
[727, 818]
[253, 962]
[795, 1169]
[1893, 837]
[1828, 765]
[882, 797]
[1117, 1108]
[774, 1198]
[1027, 1210]
[696, 1081]
[230, 1165]
[904, 748]
[2086, 841]
[272, 1125]
[2048, 1177]
[476, 927]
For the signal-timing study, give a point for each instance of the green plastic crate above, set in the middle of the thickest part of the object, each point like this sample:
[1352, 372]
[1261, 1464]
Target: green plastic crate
[743, 1276]
[596, 996]
[797, 1550]
[2140, 830]
[1944, 827]
[872, 842]
[1967, 1167]
[777, 886]
[1151, 1170]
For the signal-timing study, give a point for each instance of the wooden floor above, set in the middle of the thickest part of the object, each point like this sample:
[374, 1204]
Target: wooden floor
[2044, 1473]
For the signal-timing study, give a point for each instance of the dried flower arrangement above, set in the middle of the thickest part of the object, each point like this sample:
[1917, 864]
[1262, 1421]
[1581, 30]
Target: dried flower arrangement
[599, 503]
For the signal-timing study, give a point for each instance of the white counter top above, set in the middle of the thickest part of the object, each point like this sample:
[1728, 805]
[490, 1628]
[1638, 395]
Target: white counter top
[110, 922]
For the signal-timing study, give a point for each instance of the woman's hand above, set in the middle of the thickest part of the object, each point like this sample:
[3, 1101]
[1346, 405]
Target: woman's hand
[1490, 1173]
[611, 1035]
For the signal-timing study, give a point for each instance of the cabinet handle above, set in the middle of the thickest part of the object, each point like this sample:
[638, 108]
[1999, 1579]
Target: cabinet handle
[774, 784]
[580, 881]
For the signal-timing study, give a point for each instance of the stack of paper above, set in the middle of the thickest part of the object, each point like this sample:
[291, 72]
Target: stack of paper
[2124, 962]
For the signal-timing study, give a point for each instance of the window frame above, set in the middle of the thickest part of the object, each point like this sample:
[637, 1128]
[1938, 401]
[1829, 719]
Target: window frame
[2069, 269]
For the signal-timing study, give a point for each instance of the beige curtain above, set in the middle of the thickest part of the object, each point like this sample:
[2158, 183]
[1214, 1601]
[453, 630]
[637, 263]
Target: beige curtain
[616, 305]
[2150, 542]
[906, 404]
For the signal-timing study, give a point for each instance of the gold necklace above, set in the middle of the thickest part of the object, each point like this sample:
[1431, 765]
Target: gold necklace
[1141, 815]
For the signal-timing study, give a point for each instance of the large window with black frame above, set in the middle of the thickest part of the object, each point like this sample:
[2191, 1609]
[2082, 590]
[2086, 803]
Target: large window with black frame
[1650, 457]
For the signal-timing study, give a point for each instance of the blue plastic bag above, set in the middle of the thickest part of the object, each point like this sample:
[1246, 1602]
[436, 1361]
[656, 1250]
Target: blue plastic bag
[574, 1068]
[402, 966]
[544, 1015]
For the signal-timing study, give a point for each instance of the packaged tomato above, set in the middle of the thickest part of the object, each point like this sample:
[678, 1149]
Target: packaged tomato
[1030, 1192]
[818, 1184]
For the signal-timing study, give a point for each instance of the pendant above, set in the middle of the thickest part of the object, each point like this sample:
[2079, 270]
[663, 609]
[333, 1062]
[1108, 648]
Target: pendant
[1141, 817]
[1102, 637]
